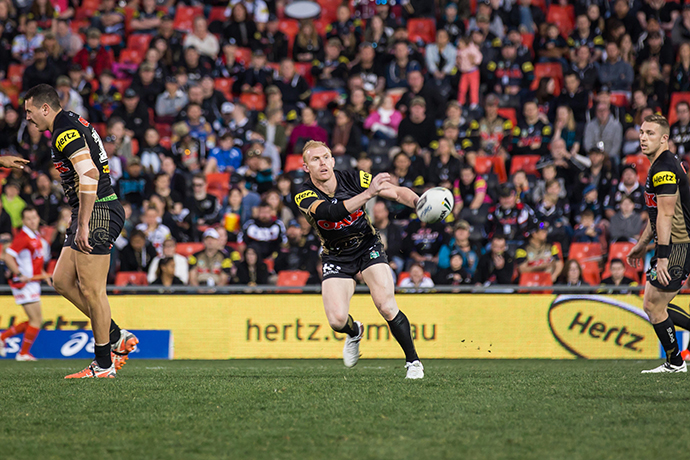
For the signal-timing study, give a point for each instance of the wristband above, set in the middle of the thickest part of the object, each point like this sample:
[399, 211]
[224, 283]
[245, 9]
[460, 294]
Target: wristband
[663, 251]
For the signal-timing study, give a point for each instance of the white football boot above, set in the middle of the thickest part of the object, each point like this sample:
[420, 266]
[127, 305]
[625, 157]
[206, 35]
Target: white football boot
[351, 348]
[667, 368]
[415, 370]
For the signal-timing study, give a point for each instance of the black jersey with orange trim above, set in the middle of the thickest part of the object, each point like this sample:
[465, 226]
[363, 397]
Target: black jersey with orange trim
[668, 177]
[72, 133]
[354, 233]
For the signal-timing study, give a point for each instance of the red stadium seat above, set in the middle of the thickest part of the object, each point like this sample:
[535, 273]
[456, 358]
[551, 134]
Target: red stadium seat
[15, 73]
[218, 184]
[563, 17]
[187, 249]
[128, 56]
[508, 113]
[536, 279]
[10, 91]
[224, 85]
[135, 146]
[585, 252]
[244, 55]
[540, 4]
[129, 278]
[304, 69]
[528, 41]
[256, 102]
[675, 99]
[641, 166]
[122, 84]
[321, 24]
[621, 100]
[293, 162]
[483, 165]
[527, 163]
[139, 42]
[421, 29]
[184, 17]
[620, 251]
[164, 129]
[320, 100]
[548, 69]
[111, 39]
[292, 278]
[591, 272]
[329, 9]
[290, 27]
[78, 26]
[218, 13]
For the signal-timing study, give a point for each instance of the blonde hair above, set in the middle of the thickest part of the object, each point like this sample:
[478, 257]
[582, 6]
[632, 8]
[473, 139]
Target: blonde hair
[312, 145]
[659, 120]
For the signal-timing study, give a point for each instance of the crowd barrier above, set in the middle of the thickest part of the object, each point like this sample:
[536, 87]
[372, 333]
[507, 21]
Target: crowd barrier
[547, 326]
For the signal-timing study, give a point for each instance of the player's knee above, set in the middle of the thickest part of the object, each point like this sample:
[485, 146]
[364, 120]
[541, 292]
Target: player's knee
[385, 305]
[337, 320]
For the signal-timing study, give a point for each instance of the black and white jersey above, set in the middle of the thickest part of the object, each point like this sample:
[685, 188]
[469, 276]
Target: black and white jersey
[72, 133]
[668, 177]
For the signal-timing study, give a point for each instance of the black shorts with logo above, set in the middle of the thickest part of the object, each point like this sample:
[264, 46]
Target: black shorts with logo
[107, 220]
[348, 266]
[678, 268]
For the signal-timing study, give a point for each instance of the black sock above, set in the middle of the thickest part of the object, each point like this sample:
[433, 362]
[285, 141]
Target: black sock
[679, 316]
[351, 328]
[103, 356]
[667, 336]
[114, 332]
[400, 328]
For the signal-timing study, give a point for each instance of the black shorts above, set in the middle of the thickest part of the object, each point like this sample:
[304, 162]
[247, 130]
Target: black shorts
[107, 220]
[348, 266]
[678, 268]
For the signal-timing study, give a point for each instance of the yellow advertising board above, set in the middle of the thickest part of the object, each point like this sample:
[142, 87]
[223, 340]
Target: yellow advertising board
[444, 326]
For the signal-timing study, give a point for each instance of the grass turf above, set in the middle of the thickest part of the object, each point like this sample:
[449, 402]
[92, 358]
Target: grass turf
[306, 409]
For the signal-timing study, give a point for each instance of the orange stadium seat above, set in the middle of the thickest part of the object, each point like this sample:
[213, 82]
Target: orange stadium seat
[256, 102]
[548, 69]
[421, 29]
[304, 69]
[620, 251]
[630, 272]
[110, 39]
[187, 249]
[591, 272]
[293, 162]
[128, 278]
[218, 185]
[483, 165]
[184, 17]
[536, 279]
[563, 17]
[508, 113]
[528, 41]
[224, 85]
[641, 166]
[128, 56]
[292, 278]
[620, 100]
[15, 73]
[675, 99]
[320, 100]
[218, 13]
[527, 163]
[139, 42]
[585, 252]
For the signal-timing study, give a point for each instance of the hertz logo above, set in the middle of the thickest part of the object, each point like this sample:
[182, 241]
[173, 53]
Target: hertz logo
[364, 179]
[65, 138]
[301, 196]
[665, 177]
[597, 327]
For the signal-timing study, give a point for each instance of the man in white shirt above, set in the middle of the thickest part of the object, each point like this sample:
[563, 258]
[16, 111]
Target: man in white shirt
[204, 42]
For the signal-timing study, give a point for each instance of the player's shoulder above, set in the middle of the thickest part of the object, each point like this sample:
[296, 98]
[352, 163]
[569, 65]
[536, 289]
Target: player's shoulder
[306, 190]
[665, 169]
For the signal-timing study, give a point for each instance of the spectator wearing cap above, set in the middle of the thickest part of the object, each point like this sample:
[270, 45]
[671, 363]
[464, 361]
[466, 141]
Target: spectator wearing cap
[138, 254]
[346, 138]
[146, 85]
[615, 73]
[39, 72]
[298, 253]
[106, 98]
[509, 217]
[23, 45]
[549, 171]
[590, 201]
[469, 57]
[272, 131]
[385, 120]
[273, 41]
[223, 123]
[256, 77]
[452, 23]
[70, 100]
[257, 170]
[331, 71]
[460, 244]
[294, 88]
[680, 130]
[146, 19]
[172, 101]
[205, 43]
[369, 69]
[133, 184]
[241, 28]
[628, 186]
[189, 153]
[508, 75]
[587, 230]
[212, 266]
[537, 255]
[397, 70]
[607, 130]
[196, 65]
[307, 130]
[224, 157]
[70, 42]
[421, 127]
[134, 113]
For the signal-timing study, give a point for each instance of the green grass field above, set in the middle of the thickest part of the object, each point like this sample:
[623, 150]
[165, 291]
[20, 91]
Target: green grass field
[306, 409]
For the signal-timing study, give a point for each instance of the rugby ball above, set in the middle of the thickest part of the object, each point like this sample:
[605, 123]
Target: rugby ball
[435, 205]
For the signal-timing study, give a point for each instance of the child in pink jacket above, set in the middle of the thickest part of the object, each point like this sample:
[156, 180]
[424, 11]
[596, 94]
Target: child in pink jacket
[469, 58]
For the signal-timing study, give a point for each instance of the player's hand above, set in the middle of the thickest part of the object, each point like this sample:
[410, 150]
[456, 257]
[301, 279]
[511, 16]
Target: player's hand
[13, 162]
[635, 255]
[662, 273]
[381, 182]
[81, 239]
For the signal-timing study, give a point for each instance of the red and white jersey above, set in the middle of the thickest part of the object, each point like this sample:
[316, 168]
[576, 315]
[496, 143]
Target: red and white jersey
[27, 249]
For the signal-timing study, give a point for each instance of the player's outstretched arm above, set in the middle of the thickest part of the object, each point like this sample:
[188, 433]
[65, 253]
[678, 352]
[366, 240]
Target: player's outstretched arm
[402, 195]
[13, 162]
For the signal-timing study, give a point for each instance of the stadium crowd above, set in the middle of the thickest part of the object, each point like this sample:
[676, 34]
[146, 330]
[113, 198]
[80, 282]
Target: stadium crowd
[528, 111]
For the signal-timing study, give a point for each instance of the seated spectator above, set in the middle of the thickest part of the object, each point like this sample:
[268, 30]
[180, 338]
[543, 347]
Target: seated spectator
[204, 207]
[417, 279]
[444, 167]
[574, 96]
[109, 18]
[370, 70]
[156, 233]
[196, 65]
[94, 58]
[435, 102]
[305, 131]
[189, 153]
[256, 77]
[205, 42]
[418, 125]
[212, 266]
[165, 274]
[70, 42]
[137, 255]
[241, 29]
[384, 121]
[451, 22]
[347, 136]
[294, 88]
[251, 271]
[133, 184]
[470, 191]
[70, 100]
[549, 172]
[680, 76]
[273, 41]
[308, 45]
[257, 170]
[509, 217]
[460, 244]
[199, 128]
[618, 278]
[152, 152]
[134, 113]
[225, 157]
[552, 47]
[587, 231]
[331, 72]
[397, 70]
[652, 83]
[509, 76]
[47, 200]
[566, 129]
[240, 125]
[344, 24]
[298, 254]
[627, 187]
[590, 202]
[40, 71]
[455, 274]
[391, 236]
[12, 203]
[539, 256]
[423, 243]
[522, 187]
[266, 234]
[172, 101]
[146, 19]
[24, 45]
[531, 136]
[556, 211]
[272, 130]
[680, 130]
[181, 266]
[35, 146]
[572, 274]
[604, 129]
[496, 265]
[626, 224]
[615, 73]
